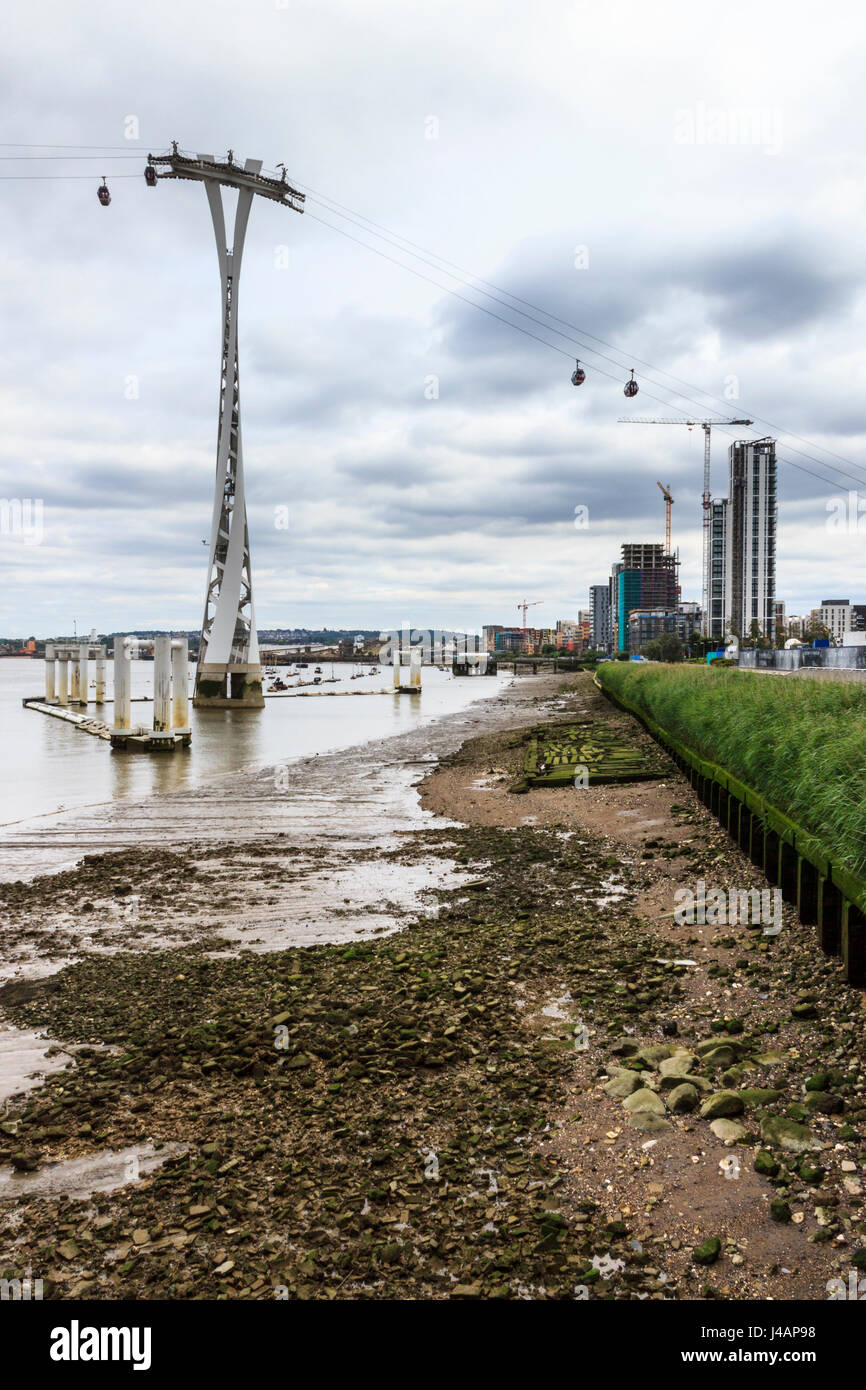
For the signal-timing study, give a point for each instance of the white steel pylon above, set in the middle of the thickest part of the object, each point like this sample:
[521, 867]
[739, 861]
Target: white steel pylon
[229, 672]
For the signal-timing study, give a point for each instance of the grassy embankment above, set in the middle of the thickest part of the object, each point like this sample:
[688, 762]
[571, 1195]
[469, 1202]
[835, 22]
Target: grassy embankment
[801, 744]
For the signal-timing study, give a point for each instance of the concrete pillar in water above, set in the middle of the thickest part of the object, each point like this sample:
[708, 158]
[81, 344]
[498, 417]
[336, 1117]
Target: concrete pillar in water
[100, 680]
[50, 698]
[415, 668]
[122, 686]
[75, 680]
[397, 658]
[83, 675]
[62, 679]
[161, 685]
[180, 684]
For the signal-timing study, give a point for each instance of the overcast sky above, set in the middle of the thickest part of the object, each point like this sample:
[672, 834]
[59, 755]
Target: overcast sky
[684, 182]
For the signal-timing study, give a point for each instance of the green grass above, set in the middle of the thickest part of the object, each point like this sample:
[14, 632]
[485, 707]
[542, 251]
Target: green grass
[800, 743]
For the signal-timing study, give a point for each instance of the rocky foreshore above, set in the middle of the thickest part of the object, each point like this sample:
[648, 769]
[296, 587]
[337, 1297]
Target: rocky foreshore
[548, 1089]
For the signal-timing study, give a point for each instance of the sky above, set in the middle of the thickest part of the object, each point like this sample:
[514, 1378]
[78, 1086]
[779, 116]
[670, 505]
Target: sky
[680, 187]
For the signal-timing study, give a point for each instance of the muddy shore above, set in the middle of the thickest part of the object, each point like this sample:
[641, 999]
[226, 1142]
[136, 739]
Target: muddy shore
[430, 1092]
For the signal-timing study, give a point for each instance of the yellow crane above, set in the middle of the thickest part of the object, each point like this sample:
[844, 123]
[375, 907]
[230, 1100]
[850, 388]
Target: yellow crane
[669, 502]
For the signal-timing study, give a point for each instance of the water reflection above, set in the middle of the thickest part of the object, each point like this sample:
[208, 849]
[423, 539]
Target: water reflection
[50, 766]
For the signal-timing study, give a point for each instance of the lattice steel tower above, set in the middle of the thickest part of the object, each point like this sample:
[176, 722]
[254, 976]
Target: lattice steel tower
[229, 672]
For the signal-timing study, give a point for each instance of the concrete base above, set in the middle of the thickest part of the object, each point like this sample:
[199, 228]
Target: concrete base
[228, 687]
[149, 742]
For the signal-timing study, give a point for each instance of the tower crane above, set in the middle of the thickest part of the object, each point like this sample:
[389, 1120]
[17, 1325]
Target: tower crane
[526, 604]
[706, 499]
[669, 502]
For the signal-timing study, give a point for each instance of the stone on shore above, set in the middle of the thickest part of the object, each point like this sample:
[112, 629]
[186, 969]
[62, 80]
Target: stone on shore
[679, 1065]
[729, 1130]
[783, 1133]
[623, 1084]
[645, 1110]
[644, 1099]
[683, 1099]
[722, 1103]
[708, 1252]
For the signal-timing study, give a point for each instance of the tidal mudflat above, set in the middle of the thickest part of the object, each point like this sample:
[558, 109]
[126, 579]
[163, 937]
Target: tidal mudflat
[508, 1073]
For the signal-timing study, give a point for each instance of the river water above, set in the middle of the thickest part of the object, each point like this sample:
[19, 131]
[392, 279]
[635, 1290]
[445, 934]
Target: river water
[52, 772]
[283, 771]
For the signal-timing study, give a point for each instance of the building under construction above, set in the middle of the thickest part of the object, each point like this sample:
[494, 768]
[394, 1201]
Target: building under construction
[645, 580]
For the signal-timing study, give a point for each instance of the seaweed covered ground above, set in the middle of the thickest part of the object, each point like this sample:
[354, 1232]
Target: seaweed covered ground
[476, 1106]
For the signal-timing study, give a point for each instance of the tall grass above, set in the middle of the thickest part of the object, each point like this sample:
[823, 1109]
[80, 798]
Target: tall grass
[801, 743]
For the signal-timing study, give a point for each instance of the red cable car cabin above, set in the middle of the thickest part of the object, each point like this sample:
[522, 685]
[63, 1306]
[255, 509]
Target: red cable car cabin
[150, 176]
[103, 194]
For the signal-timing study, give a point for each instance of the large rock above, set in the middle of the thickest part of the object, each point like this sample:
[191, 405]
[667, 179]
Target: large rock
[644, 1099]
[648, 1120]
[722, 1103]
[653, 1054]
[683, 1099]
[759, 1095]
[729, 1130]
[783, 1133]
[623, 1084]
[667, 1083]
[712, 1045]
[824, 1102]
[679, 1065]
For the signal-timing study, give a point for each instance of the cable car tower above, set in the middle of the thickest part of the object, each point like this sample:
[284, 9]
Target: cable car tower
[229, 672]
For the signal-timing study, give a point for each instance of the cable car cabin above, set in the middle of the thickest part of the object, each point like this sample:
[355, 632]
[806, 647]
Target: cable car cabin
[150, 176]
[578, 376]
[103, 194]
[631, 387]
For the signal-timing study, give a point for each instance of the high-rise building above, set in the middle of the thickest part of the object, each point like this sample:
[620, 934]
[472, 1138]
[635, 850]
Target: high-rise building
[718, 622]
[750, 589]
[600, 636]
[743, 544]
[613, 592]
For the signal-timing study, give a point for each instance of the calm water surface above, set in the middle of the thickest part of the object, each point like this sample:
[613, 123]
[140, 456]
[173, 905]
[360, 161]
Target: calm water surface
[49, 766]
